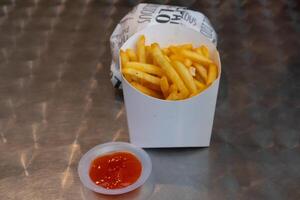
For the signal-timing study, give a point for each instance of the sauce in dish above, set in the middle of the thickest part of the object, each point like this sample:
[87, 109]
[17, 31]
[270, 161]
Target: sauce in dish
[115, 170]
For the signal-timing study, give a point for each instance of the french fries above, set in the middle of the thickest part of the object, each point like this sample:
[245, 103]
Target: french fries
[146, 90]
[172, 73]
[186, 46]
[169, 70]
[205, 51]
[131, 54]
[166, 51]
[124, 58]
[141, 49]
[148, 55]
[195, 57]
[212, 73]
[199, 85]
[185, 76]
[148, 68]
[201, 70]
[164, 85]
[142, 75]
[173, 89]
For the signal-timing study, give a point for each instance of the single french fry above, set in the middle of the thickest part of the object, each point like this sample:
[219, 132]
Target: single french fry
[146, 90]
[212, 73]
[169, 70]
[166, 51]
[185, 46]
[155, 63]
[149, 59]
[167, 58]
[142, 75]
[199, 51]
[131, 78]
[187, 62]
[185, 76]
[124, 58]
[200, 86]
[141, 50]
[174, 49]
[173, 96]
[173, 89]
[176, 96]
[148, 68]
[195, 57]
[191, 95]
[177, 57]
[201, 70]
[199, 78]
[149, 85]
[131, 54]
[164, 85]
[153, 60]
[205, 51]
[155, 44]
[128, 78]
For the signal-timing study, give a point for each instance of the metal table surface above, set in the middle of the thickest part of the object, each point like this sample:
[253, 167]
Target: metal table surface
[56, 102]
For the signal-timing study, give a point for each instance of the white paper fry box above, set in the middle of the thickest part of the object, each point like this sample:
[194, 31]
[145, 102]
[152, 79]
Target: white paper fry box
[160, 123]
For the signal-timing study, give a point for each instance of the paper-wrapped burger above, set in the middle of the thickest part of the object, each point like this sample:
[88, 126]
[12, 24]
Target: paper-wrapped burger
[174, 38]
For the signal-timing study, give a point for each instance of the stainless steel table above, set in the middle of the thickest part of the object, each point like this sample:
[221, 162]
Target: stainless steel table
[56, 102]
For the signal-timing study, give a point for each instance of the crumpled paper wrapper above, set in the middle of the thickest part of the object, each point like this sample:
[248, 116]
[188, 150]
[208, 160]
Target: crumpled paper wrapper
[144, 15]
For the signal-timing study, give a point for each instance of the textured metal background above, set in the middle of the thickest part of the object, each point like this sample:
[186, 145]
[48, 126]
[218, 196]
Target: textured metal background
[56, 102]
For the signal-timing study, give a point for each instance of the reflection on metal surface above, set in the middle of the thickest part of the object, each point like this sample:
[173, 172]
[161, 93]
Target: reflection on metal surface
[34, 136]
[57, 102]
[120, 113]
[22, 159]
[117, 135]
[65, 177]
[4, 140]
[26, 161]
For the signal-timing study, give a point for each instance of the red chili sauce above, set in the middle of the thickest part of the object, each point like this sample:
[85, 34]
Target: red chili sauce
[116, 170]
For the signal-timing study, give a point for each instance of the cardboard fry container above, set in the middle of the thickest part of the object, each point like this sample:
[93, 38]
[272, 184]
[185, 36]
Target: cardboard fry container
[156, 123]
